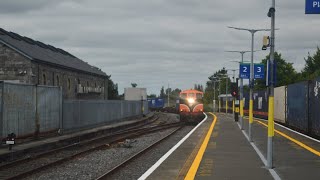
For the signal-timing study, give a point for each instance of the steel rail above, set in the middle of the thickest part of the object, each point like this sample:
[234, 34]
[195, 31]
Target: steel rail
[5, 172]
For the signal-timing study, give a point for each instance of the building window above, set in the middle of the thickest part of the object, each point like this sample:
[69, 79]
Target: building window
[44, 79]
[69, 83]
[58, 83]
[95, 84]
[79, 82]
[53, 79]
[87, 83]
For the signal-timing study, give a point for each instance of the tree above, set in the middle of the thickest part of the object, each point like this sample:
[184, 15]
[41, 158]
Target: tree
[285, 73]
[134, 85]
[209, 90]
[312, 66]
[162, 94]
[152, 96]
[198, 87]
[112, 90]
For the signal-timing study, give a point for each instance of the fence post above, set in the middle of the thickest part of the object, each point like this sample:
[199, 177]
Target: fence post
[61, 112]
[2, 103]
[37, 122]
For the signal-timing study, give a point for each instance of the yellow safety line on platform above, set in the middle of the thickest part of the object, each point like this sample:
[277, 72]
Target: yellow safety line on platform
[293, 140]
[195, 165]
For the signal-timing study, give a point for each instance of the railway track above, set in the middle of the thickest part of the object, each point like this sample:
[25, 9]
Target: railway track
[135, 156]
[25, 167]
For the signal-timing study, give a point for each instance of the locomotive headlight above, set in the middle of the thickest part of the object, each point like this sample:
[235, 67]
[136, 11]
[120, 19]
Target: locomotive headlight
[190, 100]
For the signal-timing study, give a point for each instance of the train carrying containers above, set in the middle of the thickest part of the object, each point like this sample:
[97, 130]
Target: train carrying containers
[280, 98]
[156, 103]
[260, 104]
[135, 94]
[297, 106]
[314, 107]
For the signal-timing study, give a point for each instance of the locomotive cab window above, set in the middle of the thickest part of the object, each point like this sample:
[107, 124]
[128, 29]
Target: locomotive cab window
[191, 95]
[183, 96]
[199, 96]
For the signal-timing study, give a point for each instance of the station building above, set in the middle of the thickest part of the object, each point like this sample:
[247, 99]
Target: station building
[24, 60]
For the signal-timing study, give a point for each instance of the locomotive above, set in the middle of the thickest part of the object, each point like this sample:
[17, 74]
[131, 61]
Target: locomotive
[191, 106]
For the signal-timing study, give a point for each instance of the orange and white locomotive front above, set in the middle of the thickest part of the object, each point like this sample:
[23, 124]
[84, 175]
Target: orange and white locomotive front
[191, 102]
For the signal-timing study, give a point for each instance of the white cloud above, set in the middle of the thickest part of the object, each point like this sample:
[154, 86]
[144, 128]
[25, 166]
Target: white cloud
[157, 42]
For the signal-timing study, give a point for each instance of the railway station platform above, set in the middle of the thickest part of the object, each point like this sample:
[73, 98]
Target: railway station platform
[219, 149]
[48, 143]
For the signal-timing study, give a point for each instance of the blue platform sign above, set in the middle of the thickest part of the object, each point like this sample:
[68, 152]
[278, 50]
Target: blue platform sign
[244, 71]
[258, 71]
[312, 6]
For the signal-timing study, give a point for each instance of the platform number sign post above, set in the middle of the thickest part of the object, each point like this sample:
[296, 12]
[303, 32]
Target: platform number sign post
[244, 71]
[312, 7]
[258, 71]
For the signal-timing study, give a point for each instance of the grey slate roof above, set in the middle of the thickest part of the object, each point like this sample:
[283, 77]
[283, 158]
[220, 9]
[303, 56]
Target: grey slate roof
[39, 51]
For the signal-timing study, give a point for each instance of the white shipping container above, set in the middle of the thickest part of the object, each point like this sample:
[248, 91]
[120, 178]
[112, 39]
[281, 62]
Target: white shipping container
[135, 94]
[280, 104]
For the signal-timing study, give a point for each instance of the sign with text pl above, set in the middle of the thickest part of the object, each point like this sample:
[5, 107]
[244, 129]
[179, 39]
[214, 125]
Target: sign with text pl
[258, 71]
[312, 6]
[244, 71]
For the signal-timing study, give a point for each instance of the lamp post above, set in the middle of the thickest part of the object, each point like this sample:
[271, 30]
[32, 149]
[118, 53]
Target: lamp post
[271, 14]
[214, 80]
[241, 89]
[225, 76]
[251, 82]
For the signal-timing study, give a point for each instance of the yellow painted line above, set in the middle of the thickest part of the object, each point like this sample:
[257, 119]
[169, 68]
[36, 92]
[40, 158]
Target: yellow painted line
[293, 140]
[196, 163]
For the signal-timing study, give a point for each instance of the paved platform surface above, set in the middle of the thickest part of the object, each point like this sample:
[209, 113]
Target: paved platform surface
[227, 156]
[179, 162]
[51, 142]
[291, 161]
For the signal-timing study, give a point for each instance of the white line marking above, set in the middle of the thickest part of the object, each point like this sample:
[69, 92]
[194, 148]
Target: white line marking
[164, 157]
[306, 136]
[263, 159]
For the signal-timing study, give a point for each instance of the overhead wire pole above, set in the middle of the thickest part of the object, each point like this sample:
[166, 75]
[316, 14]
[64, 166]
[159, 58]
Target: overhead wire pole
[219, 93]
[225, 76]
[168, 96]
[271, 95]
[251, 82]
[214, 96]
[241, 89]
[213, 79]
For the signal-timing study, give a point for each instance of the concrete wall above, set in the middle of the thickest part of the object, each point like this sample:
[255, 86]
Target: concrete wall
[135, 94]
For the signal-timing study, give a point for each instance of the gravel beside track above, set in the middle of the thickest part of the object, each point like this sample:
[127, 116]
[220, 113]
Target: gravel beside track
[94, 164]
[136, 168]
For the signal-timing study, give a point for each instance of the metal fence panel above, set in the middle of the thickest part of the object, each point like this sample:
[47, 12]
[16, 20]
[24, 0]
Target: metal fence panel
[280, 104]
[314, 107]
[18, 109]
[297, 106]
[48, 108]
[79, 114]
[1, 115]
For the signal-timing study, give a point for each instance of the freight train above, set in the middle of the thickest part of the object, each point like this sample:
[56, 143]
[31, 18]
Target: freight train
[156, 104]
[191, 106]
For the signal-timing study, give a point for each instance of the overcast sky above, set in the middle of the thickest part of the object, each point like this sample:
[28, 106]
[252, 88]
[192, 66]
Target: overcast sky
[156, 42]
